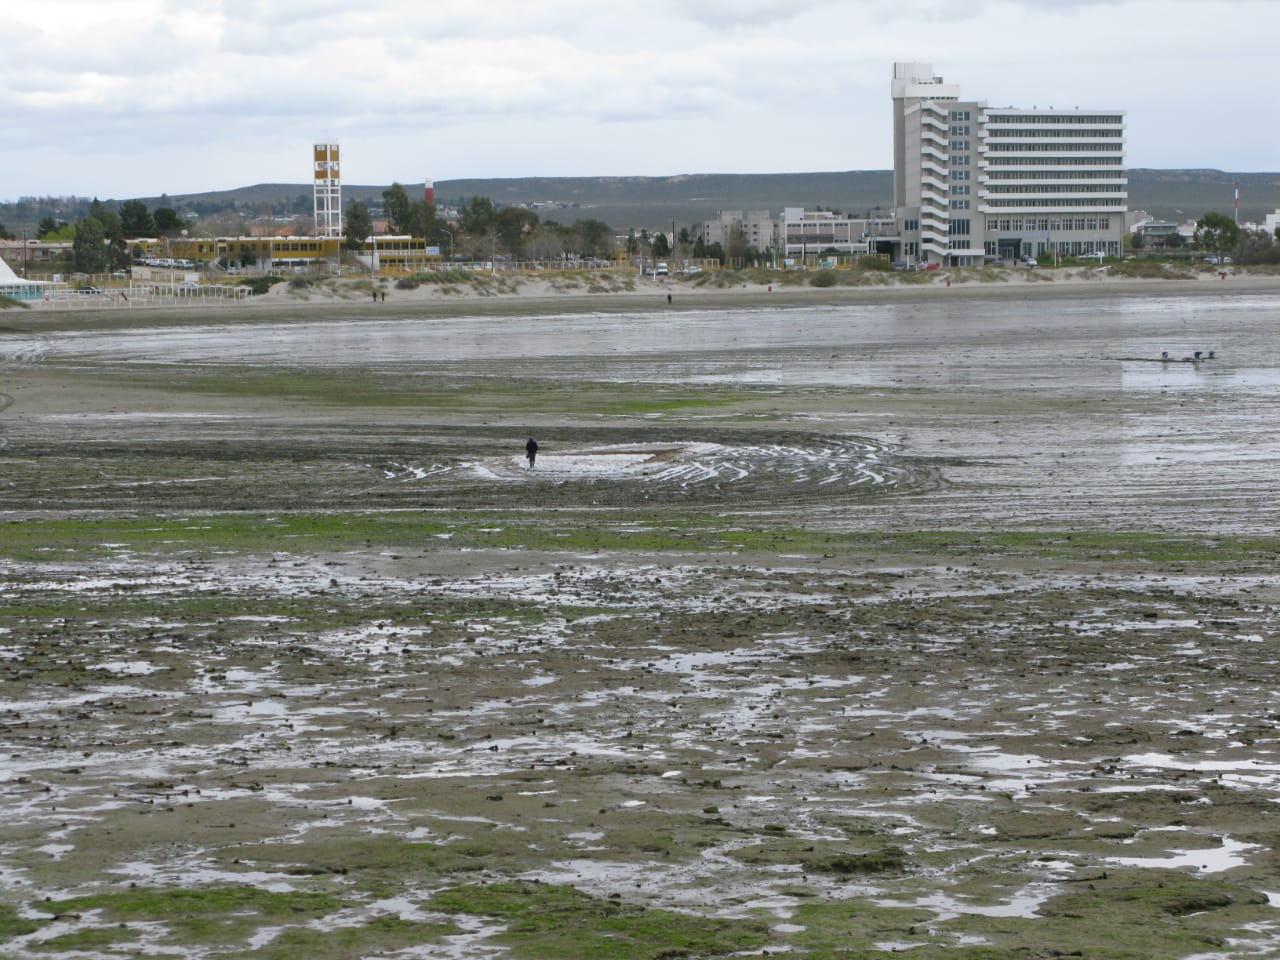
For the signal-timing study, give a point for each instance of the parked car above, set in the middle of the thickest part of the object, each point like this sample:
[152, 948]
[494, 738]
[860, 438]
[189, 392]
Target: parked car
[992, 261]
[1217, 260]
[1030, 262]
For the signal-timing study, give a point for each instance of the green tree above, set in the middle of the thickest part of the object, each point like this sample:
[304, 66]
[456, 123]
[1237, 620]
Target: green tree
[359, 225]
[661, 248]
[1257, 246]
[47, 226]
[478, 216]
[421, 221]
[136, 220]
[89, 248]
[736, 245]
[166, 220]
[396, 205]
[593, 238]
[1217, 232]
[105, 216]
[117, 249]
[512, 224]
[5, 233]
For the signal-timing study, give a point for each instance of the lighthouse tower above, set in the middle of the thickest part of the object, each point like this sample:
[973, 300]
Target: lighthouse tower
[429, 192]
[326, 190]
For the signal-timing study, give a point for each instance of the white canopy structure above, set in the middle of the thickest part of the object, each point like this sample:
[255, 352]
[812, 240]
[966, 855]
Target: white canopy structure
[16, 288]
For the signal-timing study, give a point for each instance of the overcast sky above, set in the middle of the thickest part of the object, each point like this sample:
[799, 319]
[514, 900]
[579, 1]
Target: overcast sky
[134, 98]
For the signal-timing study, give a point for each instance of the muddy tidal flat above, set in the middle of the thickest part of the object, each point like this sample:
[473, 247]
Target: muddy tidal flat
[935, 627]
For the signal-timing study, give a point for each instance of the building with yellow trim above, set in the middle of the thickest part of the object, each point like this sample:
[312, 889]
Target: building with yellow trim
[396, 254]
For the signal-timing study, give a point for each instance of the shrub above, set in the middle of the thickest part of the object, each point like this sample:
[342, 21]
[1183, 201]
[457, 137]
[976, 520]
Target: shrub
[824, 278]
[875, 263]
[260, 285]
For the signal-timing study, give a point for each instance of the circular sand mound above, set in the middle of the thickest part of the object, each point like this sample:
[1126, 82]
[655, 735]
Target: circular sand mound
[838, 464]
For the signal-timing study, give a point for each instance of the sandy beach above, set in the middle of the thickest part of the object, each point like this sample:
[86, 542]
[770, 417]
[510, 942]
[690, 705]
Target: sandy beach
[607, 290]
[629, 289]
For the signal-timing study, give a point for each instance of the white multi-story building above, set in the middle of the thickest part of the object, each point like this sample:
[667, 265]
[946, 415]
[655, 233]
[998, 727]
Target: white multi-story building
[972, 181]
[758, 229]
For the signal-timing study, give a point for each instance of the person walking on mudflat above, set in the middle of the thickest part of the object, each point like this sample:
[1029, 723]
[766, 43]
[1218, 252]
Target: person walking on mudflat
[531, 451]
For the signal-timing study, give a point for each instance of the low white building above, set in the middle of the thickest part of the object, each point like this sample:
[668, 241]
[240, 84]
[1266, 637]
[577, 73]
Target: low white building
[807, 232]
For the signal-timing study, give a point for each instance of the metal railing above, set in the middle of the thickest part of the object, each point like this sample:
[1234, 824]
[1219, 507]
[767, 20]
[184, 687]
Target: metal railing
[141, 295]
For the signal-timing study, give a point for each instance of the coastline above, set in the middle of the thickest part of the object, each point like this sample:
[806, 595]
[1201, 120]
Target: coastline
[535, 295]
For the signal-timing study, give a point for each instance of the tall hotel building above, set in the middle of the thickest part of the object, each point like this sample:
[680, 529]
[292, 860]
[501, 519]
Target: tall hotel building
[972, 181]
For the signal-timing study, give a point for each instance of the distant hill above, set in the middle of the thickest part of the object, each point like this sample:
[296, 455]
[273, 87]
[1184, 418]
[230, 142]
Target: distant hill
[655, 202]
[621, 202]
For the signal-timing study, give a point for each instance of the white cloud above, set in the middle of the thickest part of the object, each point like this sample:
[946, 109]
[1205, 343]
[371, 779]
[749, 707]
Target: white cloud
[176, 96]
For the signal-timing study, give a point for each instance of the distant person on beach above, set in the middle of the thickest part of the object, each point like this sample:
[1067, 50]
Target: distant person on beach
[531, 451]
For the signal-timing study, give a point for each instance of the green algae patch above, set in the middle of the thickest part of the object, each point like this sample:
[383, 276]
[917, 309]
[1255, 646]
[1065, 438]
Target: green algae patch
[383, 866]
[1129, 915]
[550, 922]
[812, 858]
[217, 914]
[89, 940]
[888, 860]
[12, 925]
[854, 928]
[375, 938]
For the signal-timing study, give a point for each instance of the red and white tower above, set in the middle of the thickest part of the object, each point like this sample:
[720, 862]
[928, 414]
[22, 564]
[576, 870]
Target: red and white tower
[429, 192]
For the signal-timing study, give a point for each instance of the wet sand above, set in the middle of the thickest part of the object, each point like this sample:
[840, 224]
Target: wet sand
[857, 624]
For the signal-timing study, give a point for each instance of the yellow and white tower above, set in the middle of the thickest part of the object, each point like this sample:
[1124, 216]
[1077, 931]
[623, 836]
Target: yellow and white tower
[327, 190]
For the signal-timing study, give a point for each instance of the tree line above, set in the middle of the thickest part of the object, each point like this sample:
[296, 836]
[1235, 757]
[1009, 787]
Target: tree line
[1220, 235]
[481, 231]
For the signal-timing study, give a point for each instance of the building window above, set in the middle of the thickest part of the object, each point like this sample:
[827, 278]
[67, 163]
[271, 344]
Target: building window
[959, 174]
[959, 204]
